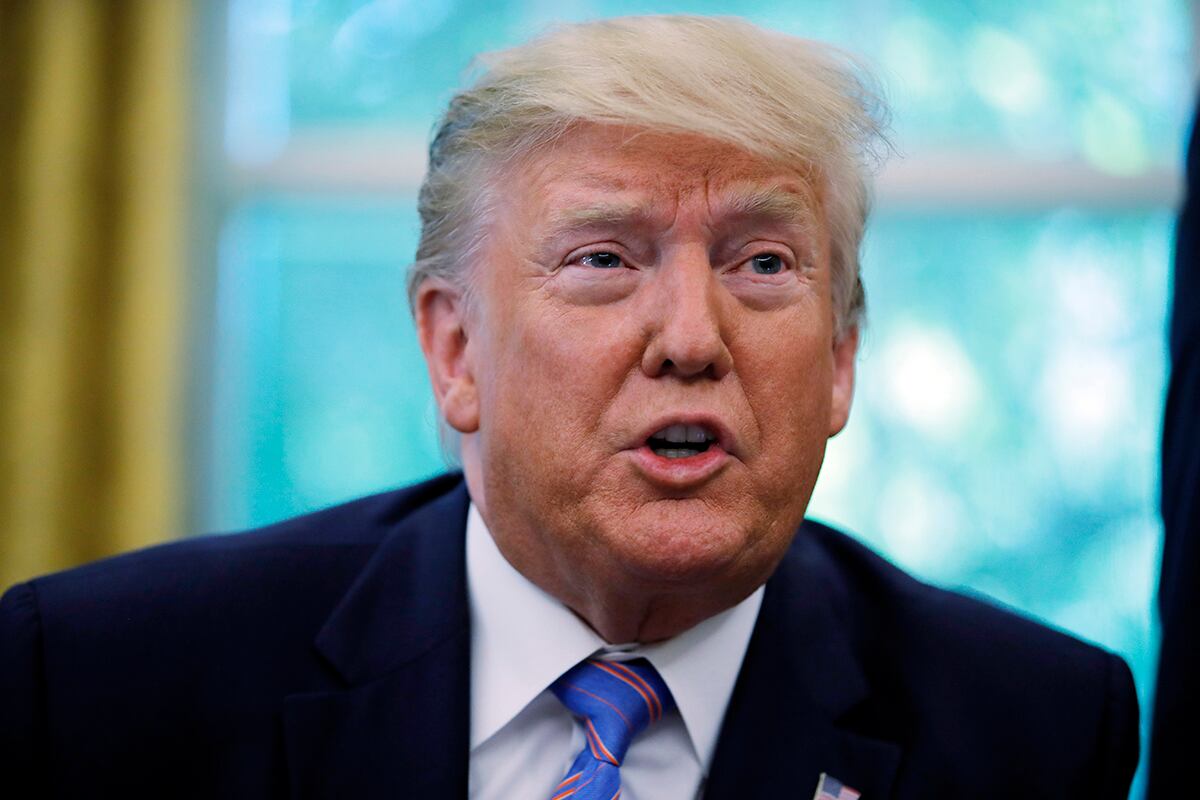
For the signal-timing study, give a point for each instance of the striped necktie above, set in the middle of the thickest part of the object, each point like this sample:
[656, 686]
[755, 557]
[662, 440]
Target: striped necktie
[614, 701]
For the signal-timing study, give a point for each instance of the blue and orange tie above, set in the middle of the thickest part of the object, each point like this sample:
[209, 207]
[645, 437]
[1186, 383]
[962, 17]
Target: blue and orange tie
[614, 701]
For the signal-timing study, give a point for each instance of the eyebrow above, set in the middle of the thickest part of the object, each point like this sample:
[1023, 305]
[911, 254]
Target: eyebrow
[778, 204]
[601, 215]
[775, 204]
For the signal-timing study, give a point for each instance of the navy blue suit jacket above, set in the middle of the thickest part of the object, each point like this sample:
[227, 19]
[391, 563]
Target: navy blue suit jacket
[328, 656]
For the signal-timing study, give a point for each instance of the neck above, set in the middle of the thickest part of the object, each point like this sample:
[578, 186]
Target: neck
[619, 619]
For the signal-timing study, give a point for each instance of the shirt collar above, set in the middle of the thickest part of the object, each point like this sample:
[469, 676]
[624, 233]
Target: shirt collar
[522, 639]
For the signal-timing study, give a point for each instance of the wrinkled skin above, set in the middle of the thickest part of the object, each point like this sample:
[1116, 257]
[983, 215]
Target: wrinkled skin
[619, 290]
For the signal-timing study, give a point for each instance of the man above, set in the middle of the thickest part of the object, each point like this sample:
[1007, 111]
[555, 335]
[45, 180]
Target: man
[637, 293]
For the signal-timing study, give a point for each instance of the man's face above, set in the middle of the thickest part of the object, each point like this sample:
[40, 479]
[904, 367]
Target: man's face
[653, 364]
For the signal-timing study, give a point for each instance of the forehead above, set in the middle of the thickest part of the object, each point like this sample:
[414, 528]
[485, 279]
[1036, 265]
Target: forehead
[654, 173]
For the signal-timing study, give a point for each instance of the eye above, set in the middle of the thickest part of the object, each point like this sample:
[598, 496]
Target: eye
[602, 260]
[766, 264]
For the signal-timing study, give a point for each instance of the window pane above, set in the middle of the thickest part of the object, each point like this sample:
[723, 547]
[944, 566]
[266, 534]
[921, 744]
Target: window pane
[319, 388]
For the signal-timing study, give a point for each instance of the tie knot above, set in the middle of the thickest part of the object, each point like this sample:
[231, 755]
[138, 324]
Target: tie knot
[615, 700]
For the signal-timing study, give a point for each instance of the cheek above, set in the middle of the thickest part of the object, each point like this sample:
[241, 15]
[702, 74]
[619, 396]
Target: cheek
[555, 370]
[788, 382]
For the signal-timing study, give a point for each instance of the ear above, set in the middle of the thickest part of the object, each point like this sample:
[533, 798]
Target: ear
[441, 327]
[845, 348]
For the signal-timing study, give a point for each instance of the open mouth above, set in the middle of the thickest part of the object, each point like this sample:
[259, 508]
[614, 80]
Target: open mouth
[681, 441]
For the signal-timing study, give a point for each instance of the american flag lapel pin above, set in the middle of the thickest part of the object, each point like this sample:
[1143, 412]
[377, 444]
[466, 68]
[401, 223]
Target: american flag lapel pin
[830, 788]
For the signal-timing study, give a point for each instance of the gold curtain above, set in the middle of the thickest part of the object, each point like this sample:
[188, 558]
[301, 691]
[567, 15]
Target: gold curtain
[93, 124]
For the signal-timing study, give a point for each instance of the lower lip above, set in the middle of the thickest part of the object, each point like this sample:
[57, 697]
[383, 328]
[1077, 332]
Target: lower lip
[680, 472]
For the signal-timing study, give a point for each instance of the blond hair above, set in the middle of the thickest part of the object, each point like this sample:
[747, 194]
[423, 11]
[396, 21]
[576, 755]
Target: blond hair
[779, 97]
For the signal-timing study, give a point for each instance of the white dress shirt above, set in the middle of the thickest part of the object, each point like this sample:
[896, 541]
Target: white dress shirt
[523, 739]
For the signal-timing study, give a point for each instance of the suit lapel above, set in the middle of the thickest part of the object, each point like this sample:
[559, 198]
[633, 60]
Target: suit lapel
[400, 644]
[800, 685]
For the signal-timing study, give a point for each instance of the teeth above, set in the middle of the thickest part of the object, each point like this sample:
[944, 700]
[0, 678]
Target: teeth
[673, 453]
[679, 434]
[675, 433]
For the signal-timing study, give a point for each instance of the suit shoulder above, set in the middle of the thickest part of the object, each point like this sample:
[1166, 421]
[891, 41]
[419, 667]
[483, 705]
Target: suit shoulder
[877, 591]
[1003, 682]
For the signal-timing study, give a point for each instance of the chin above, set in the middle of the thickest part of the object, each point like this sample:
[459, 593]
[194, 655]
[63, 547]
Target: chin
[683, 542]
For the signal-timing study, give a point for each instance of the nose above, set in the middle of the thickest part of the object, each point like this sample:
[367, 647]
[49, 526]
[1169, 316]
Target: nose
[686, 336]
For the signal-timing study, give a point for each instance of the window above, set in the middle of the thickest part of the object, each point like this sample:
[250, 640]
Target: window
[1005, 432]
